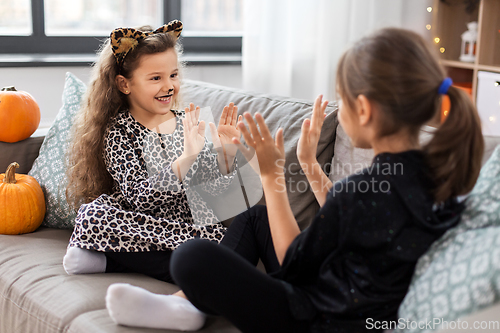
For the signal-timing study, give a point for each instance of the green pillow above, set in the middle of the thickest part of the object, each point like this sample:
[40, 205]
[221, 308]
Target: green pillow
[460, 273]
[49, 169]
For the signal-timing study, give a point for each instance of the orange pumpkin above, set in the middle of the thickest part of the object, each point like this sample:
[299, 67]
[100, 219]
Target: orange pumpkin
[19, 115]
[22, 203]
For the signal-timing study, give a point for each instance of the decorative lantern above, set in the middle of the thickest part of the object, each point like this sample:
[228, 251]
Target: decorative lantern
[469, 41]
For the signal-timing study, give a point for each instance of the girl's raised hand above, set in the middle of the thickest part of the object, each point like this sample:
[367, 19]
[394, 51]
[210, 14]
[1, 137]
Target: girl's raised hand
[311, 129]
[270, 152]
[194, 132]
[226, 131]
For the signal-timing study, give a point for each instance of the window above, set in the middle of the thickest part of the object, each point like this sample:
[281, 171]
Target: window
[99, 17]
[212, 17]
[44, 28]
[15, 18]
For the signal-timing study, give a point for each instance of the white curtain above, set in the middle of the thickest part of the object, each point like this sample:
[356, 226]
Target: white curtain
[291, 47]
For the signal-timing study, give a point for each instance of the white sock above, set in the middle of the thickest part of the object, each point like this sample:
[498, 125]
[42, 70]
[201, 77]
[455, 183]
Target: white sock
[133, 306]
[80, 261]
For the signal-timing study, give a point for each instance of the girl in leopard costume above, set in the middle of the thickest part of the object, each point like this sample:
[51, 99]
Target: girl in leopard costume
[134, 157]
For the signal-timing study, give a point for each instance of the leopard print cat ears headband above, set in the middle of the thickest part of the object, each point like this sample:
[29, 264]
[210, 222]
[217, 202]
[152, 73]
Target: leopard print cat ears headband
[123, 40]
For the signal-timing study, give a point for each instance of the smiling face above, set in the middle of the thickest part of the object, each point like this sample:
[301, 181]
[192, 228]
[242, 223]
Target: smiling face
[153, 87]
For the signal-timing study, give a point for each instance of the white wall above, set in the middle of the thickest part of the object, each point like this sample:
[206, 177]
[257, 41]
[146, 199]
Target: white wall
[46, 84]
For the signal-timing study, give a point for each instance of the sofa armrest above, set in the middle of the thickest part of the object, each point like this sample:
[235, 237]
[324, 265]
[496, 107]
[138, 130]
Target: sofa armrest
[484, 321]
[23, 152]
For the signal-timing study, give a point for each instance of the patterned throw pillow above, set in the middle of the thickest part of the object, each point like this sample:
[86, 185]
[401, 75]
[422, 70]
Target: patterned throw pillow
[460, 273]
[49, 167]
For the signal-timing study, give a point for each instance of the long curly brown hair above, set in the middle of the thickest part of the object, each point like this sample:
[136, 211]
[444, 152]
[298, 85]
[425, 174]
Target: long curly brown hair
[87, 175]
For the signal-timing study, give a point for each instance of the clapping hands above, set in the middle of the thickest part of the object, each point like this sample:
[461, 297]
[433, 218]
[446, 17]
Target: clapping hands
[194, 134]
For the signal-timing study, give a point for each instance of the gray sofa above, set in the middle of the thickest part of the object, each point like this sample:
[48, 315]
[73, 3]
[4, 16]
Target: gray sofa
[36, 295]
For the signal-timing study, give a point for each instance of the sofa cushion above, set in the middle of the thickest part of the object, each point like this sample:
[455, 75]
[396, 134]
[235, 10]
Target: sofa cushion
[36, 294]
[49, 169]
[348, 160]
[99, 321]
[278, 112]
[483, 321]
[460, 273]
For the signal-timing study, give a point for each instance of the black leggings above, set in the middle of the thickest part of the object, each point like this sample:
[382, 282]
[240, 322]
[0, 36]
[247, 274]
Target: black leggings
[248, 235]
[223, 280]
[155, 264]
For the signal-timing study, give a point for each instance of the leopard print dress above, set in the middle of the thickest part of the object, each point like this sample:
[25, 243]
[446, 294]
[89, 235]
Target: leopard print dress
[150, 209]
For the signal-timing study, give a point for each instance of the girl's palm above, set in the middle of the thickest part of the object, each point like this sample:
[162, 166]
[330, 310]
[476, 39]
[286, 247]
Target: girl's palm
[227, 130]
[194, 132]
[270, 152]
[310, 132]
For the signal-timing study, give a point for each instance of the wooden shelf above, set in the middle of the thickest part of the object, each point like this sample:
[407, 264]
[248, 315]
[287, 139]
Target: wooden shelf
[469, 65]
[458, 64]
[489, 33]
[450, 20]
[488, 68]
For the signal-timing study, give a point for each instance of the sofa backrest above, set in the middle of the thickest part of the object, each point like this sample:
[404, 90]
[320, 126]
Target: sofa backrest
[278, 111]
[23, 152]
[348, 159]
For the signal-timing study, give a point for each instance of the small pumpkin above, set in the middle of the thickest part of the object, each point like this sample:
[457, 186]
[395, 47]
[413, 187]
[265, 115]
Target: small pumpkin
[19, 115]
[22, 203]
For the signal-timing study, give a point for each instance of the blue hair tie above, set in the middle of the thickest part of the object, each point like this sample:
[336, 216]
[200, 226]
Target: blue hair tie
[445, 85]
